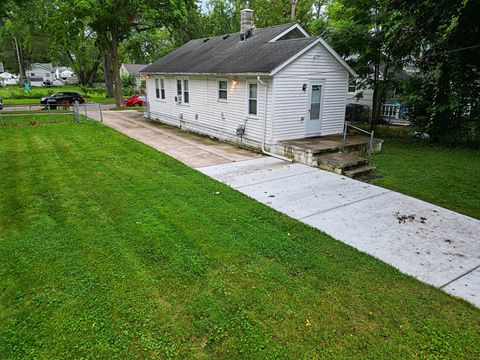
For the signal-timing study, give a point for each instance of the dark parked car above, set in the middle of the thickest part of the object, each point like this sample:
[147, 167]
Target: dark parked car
[60, 97]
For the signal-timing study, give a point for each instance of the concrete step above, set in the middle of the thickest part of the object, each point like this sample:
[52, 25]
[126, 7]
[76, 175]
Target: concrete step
[338, 162]
[359, 171]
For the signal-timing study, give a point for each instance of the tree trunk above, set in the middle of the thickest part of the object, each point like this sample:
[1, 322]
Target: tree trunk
[107, 69]
[116, 71]
[93, 71]
[293, 10]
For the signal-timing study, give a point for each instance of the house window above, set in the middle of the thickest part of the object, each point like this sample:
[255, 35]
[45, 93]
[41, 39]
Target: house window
[252, 95]
[162, 89]
[186, 93]
[47, 74]
[179, 90]
[183, 91]
[352, 86]
[157, 89]
[32, 74]
[222, 90]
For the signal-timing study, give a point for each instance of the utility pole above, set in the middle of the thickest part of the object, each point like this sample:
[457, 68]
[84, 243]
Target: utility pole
[19, 59]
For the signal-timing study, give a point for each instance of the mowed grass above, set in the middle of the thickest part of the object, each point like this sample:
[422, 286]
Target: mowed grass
[110, 249]
[443, 176]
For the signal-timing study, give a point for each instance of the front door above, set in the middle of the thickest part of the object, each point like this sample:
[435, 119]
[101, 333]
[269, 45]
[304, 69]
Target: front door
[314, 122]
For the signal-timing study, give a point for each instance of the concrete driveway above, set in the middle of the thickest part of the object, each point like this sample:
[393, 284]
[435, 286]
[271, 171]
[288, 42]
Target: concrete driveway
[193, 150]
[435, 245]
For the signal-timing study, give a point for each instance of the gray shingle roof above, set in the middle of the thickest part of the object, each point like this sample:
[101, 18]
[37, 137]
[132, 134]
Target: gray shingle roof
[227, 54]
[134, 69]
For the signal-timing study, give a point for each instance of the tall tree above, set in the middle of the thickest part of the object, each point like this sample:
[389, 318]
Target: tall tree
[445, 35]
[113, 21]
[359, 30]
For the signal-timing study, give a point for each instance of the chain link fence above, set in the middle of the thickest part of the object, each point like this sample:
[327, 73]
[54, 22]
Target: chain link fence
[37, 114]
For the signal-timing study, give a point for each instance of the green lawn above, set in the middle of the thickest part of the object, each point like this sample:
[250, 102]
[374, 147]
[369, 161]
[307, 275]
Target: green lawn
[443, 176]
[16, 95]
[110, 249]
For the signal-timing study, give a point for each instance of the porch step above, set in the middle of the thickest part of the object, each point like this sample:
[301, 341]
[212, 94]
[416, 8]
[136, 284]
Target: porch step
[338, 162]
[347, 164]
[359, 171]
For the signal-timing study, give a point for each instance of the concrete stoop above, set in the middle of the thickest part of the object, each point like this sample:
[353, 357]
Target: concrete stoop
[347, 164]
[329, 153]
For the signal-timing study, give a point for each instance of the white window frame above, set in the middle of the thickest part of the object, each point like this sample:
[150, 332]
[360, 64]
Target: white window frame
[249, 82]
[350, 80]
[181, 96]
[218, 90]
[157, 88]
[160, 88]
[163, 92]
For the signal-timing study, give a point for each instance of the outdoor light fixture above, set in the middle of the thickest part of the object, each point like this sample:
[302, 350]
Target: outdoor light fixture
[304, 87]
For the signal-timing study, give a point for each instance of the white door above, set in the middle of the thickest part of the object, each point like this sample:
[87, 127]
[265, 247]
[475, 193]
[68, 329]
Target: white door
[314, 122]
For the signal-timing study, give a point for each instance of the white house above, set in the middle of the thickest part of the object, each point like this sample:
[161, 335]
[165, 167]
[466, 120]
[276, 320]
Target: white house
[63, 73]
[40, 73]
[259, 86]
[7, 78]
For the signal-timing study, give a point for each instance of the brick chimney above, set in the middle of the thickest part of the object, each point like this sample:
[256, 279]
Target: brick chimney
[246, 23]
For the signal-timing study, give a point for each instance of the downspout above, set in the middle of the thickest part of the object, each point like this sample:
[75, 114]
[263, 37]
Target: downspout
[264, 133]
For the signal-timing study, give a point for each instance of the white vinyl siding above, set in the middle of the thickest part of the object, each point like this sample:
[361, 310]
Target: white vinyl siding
[291, 100]
[206, 114]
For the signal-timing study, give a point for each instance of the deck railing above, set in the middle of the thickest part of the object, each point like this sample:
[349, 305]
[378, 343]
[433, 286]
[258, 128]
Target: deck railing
[369, 133]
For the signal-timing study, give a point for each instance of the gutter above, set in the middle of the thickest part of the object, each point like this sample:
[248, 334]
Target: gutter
[264, 133]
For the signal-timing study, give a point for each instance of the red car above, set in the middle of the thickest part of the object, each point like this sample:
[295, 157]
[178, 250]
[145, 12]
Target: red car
[135, 100]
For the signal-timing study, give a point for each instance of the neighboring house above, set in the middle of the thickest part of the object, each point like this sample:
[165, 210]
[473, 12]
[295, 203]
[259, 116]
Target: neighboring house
[63, 73]
[38, 74]
[7, 78]
[259, 85]
[133, 70]
[364, 96]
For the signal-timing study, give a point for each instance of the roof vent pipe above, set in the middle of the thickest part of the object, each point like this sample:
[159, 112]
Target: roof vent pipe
[246, 23]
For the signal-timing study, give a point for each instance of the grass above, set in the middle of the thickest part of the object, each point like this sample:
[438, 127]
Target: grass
[16, 95]
[443, 176]
[110, 249]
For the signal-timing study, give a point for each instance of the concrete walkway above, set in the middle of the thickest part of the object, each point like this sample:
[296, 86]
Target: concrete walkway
[435, 245]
